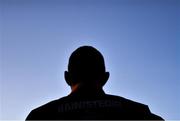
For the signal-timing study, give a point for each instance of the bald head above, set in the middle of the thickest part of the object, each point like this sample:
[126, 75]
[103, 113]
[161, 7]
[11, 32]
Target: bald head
[86, 65]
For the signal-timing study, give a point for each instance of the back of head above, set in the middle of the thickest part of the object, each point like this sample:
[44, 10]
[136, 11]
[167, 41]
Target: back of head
[86, 64]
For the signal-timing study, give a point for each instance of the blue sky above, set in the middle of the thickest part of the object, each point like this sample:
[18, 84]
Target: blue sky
[138, 38]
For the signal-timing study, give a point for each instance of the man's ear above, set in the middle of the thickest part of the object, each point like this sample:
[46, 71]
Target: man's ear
[68, 78]
[105, 78]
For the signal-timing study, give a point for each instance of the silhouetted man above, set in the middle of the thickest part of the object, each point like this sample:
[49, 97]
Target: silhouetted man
[87, 75]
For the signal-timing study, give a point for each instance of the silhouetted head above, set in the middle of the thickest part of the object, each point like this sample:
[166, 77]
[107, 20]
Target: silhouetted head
[86, 66]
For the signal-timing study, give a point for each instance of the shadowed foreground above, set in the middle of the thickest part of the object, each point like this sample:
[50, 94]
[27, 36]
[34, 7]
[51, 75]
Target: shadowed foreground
[87, 75]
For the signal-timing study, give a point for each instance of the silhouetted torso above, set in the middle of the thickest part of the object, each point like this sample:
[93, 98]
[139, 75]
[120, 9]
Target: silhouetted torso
[86, 75]
[97, 105]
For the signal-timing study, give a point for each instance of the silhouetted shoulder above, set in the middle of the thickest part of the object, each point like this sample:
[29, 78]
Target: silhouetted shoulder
[46, 111]
[135, 109]
[126, 102]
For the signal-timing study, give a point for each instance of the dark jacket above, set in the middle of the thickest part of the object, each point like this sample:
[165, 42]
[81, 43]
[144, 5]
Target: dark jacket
[95, 106]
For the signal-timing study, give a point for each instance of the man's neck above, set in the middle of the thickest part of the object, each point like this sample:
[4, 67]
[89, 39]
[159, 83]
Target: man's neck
[85, 89]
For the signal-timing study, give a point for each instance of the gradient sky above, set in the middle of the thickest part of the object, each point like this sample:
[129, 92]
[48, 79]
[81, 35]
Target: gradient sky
[138, 38]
